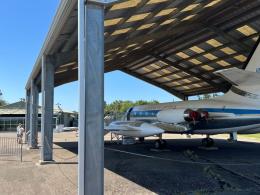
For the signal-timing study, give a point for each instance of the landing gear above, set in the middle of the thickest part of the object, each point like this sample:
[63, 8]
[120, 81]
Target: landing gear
[207, 142]
[232, 137]
[141, 139]
[160, 144]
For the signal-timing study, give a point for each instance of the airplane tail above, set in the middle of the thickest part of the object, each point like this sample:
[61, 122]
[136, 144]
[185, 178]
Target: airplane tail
[245, 84]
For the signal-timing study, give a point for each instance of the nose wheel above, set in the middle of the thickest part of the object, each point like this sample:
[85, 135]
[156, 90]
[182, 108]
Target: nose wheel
[207, 142]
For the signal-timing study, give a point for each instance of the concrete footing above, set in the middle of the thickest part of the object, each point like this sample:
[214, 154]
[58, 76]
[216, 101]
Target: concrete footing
[40, 163]
[33, 148]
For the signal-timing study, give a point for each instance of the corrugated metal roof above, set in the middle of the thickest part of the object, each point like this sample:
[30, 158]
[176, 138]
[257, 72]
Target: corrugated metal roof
[175, 45]
[19, 108]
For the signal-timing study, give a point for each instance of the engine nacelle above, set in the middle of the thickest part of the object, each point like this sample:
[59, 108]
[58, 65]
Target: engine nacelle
[176, 116]
[171, 116]
[191, 115]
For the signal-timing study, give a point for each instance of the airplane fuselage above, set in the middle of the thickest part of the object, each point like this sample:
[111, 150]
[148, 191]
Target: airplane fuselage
[223, 116]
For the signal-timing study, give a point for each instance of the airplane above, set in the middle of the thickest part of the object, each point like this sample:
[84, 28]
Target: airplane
[236, 112]
[70, 129]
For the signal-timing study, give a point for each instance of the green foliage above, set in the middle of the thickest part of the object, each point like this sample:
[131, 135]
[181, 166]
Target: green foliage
[2, 102]
[254, 136]
[207, 96]
[120, 106]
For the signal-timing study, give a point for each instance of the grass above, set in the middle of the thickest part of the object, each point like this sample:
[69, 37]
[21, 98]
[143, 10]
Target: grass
[255, 136]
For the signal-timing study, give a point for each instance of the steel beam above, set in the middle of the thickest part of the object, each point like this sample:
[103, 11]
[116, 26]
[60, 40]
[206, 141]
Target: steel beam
[47, 108]
[222, 88]
[91, 82]
[27, 116]
[65, 58]
[34, 115]
[164, 87]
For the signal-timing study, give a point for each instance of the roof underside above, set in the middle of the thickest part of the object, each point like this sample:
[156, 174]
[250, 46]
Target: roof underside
[173, 44]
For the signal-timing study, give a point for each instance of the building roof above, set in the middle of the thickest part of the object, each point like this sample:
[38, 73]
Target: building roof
[175, 45]
[17, 105]
[19, 108]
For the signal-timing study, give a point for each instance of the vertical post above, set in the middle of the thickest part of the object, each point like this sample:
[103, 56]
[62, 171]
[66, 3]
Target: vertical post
[91, 85]
[27, 116]
[21, 152]
[34, 115]
[233, 137]
[47, 108]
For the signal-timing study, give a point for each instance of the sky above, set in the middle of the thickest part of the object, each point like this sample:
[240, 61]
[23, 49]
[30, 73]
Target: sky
[24, 26]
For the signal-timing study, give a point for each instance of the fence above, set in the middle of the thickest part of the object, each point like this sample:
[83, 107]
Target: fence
[9, 147]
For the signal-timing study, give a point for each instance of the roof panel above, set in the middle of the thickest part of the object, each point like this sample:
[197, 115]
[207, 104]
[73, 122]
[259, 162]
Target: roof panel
[202, 48]
[175, 45]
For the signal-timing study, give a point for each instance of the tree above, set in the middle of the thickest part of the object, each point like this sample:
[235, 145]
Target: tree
[207, 96]
[120, 106]
[2, 101]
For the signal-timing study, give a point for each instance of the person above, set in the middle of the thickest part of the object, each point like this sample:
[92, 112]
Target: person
[20, 131]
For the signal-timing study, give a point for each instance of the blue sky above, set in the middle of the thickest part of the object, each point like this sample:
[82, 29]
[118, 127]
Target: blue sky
[24, 26]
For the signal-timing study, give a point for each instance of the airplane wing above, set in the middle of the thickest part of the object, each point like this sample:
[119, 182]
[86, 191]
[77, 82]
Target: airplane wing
[171, 128]
[123, 126]
[240, 130]
[134, 128]
[182, 129]
[70, 128]
[239, 77]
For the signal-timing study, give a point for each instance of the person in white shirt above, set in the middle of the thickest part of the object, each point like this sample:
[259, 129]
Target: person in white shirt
[20, 131]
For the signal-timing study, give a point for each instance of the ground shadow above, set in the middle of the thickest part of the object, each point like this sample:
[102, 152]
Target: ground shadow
[184, 167]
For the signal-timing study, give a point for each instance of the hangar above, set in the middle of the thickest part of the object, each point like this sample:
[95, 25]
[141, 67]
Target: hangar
[12, 115]
[175, 45]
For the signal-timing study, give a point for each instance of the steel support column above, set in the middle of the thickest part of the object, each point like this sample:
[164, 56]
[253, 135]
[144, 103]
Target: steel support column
[34, 115]
[47, 108]
[27, 116]
[91, 81]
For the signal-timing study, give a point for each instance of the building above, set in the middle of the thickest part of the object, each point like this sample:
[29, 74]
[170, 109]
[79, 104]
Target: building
[13, 114]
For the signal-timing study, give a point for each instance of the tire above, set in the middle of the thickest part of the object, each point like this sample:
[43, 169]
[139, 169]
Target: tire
[157, 145]
[141, 139]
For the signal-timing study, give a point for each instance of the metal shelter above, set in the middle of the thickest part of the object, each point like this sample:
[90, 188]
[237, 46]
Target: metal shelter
[176, 45]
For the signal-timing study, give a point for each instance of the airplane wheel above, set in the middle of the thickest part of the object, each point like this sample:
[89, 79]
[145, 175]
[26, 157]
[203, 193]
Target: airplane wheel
[157, 144]
[160, 144]
[207, 142]
[141, 139]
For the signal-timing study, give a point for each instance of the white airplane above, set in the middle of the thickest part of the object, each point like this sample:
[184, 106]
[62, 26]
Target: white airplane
[238, 111]
[70, 129]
